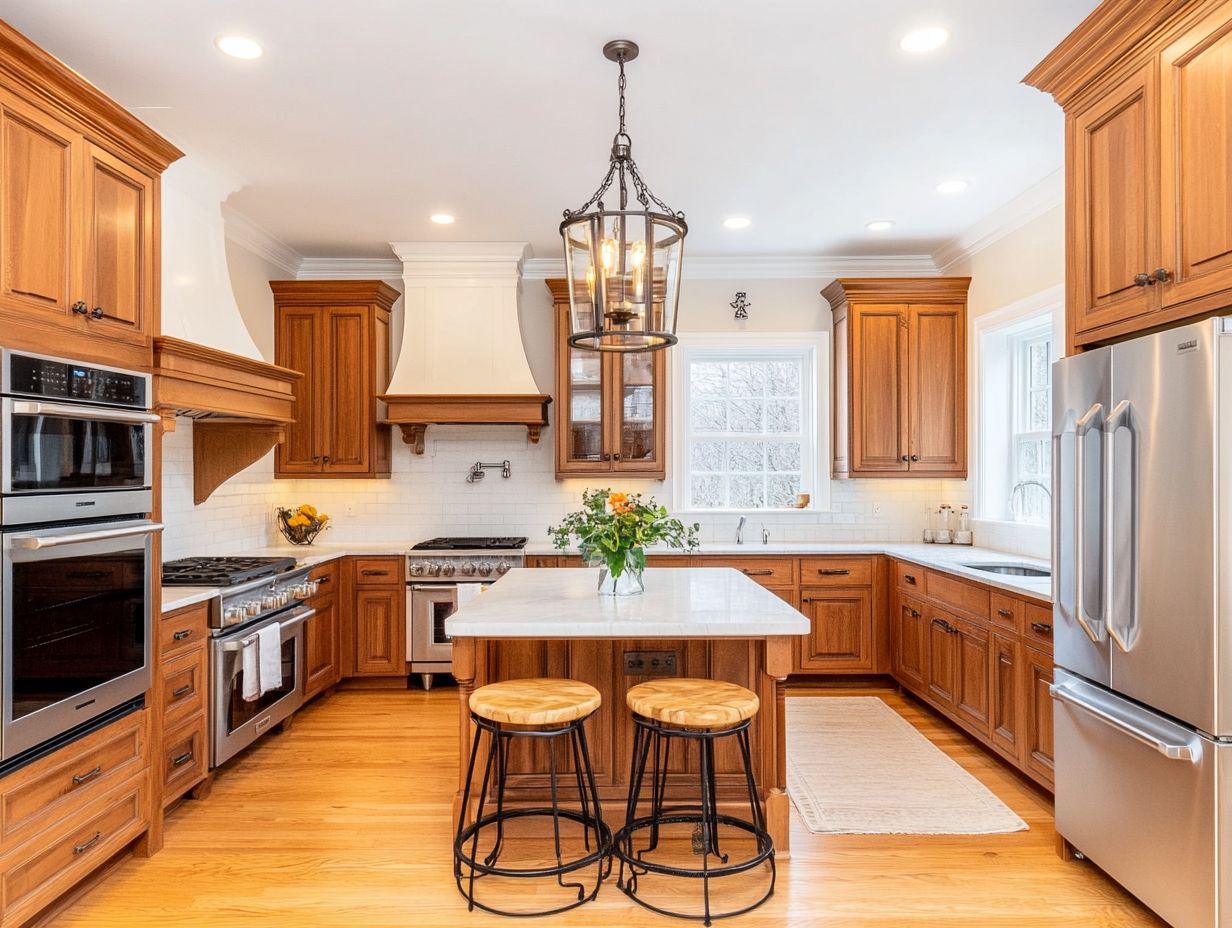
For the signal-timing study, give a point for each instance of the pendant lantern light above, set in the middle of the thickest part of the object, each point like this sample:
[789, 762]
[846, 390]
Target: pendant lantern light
[623, 265]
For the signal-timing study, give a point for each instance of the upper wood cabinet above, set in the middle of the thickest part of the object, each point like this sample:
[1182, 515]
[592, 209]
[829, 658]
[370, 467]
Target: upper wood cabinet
[1145, 89]
[79, 214]
[610, 407]
[336, 333]
[900, 376]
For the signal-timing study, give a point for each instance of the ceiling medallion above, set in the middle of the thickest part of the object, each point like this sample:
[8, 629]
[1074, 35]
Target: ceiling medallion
[623, 265]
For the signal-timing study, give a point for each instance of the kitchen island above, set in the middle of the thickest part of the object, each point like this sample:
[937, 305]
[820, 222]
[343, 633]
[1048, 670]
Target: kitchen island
[709, 623]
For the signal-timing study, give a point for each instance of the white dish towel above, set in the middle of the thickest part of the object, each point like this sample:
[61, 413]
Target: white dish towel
[269, 650]
[250, 684]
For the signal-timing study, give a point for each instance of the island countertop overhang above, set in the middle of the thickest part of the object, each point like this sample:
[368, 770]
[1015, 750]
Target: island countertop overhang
[686, 602]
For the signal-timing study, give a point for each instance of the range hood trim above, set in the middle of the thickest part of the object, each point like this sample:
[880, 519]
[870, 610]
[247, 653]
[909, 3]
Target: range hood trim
[414, 413]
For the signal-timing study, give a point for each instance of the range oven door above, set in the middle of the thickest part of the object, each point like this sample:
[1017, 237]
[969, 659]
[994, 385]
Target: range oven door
[428, 606]
[238, 722]
[73, 460]
[77, 625]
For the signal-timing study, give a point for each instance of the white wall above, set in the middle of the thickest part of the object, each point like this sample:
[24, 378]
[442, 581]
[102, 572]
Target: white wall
[250, 277]
[428, 495]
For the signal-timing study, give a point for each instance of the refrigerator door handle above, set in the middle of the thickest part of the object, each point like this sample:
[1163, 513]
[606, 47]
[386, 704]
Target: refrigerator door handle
[1183, 746]
[1094, 626]
[1122, 471]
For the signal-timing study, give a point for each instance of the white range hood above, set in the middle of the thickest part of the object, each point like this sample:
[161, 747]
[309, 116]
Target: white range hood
[462, 360]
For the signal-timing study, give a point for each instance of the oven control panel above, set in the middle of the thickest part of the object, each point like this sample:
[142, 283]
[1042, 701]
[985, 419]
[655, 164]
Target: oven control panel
[54, 378]
[262, 598]
[461, 566]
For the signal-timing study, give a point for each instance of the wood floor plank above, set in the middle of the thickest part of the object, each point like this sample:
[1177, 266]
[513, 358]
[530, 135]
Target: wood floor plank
[344, 821]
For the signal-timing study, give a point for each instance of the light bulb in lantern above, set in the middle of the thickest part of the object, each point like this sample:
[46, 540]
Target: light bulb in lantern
[637, 257]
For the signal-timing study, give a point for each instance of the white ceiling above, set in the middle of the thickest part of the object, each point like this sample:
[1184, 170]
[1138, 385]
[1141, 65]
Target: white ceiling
[365, 116]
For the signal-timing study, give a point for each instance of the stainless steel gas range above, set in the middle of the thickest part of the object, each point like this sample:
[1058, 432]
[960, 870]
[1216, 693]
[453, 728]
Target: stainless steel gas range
[442, 574]
[258, 592]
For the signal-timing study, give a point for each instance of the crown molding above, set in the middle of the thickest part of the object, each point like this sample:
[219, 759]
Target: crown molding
[461, 260]
[349, 269]
[241, 230]
[751, 267]
[1032, 203]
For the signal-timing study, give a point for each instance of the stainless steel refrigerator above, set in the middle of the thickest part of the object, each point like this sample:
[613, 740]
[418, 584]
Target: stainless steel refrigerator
[1142, 592]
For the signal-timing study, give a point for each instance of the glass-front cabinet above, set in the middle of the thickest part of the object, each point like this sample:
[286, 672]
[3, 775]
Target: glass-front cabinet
[610, 407]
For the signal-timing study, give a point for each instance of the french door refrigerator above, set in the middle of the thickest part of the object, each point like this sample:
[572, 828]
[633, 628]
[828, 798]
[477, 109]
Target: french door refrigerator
[1142, 593]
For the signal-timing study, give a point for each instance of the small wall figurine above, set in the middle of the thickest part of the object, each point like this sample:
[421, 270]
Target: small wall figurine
[741, 304]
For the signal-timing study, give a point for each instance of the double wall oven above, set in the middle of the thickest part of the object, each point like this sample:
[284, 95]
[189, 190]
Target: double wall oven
[76, 547]
[442, 574]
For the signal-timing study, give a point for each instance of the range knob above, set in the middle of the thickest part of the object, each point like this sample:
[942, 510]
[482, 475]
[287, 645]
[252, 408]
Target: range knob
[417, 570]
[270, 601]
[434, 570]
[485, 569]
[234, 615]
[447, 570]
[252, 607]
[502, 568]
[468, 569]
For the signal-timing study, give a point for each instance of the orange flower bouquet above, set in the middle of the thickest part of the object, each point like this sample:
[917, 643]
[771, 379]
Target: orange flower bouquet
[613, 531]
[302, 524]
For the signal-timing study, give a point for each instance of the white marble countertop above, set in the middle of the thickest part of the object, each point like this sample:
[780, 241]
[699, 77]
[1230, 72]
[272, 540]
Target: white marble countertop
[693, 602]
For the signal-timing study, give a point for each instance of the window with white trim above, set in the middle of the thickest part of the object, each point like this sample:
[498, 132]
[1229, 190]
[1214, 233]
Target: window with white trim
[747, 423]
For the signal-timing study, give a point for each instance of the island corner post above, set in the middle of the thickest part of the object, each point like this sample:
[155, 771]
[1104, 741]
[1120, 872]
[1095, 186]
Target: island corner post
[760, 663]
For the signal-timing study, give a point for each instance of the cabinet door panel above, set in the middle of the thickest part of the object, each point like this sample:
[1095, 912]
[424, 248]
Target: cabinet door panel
[638, 420]
[1114, 208]
[1005, 721]
[120, 245]
[322, 646]
[841, 639]
[39, 192]
[1037, 747]
[1196, 116]
[879, 387]
[941, 666]
[938, 393]
[346, 388]
[581, 407]
[909, 641]
[971, 676]
[380, 633]
[299, 349]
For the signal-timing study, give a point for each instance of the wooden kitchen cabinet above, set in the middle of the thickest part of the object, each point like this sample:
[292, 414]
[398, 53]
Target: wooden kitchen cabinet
[323, 643]
[909, 640]
[611, 407]
[1037, 753]
[972, 667]
[79, 214]
[900, 376]
[181, 685]
[841, 637]
[1005, 722]
[1147, 122]
[336, 333]
[380, 617]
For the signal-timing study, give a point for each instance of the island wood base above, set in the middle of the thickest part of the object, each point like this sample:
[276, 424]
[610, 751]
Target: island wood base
[761, 664]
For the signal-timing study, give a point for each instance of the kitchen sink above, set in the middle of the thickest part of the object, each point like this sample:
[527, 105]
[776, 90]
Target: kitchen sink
[1011, 570]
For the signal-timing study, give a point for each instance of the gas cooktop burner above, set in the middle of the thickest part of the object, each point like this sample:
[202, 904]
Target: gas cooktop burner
[485, 543]
[222, 571]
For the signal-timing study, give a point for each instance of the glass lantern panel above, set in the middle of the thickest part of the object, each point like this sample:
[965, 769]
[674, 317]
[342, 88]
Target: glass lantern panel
[579, 270]
[637, 432]
[668, 253]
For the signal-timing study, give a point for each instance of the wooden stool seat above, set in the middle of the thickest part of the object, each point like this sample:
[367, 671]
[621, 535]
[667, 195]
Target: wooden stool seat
[693, 703]
[541, 701]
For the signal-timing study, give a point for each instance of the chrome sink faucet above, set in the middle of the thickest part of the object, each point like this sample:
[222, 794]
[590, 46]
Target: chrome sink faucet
[1022, 485]
[740, 530]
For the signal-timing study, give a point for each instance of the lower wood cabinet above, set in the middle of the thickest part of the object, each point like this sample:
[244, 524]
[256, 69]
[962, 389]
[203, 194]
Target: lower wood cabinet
[323, 634]
[1005, 724]
[841, 638]
[380, 632]
[182, 683]
[908, 640]
[972, 690]
[1037, 755]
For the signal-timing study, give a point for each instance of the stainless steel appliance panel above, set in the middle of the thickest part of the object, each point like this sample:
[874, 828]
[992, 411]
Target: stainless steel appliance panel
[429, 607]
[1081, 398]
[1162, 491]
[1139, 794]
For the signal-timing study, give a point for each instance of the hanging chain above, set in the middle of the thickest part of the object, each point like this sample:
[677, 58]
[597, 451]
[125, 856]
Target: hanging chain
[623, 167]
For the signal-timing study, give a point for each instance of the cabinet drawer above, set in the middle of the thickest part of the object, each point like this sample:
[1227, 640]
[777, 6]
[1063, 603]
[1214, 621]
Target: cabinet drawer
[1006, 612]
[327, 575]
[1037, 625]
[836, 571]
[768, 571]
[184, 628]
[38, 871]
[184, 684]
[183, 762]
[909, 577]
[958, 594]
[378, 571]
[58, 785]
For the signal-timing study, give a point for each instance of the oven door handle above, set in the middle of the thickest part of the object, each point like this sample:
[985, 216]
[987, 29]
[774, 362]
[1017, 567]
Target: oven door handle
[69, 411]
[36, 542]
[243, 641]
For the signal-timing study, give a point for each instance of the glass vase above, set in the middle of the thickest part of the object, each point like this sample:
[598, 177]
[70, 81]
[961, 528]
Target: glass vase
[627, 583]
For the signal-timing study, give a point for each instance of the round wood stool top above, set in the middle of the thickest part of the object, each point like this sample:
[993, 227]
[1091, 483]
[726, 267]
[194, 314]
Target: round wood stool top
[542, 701]
[693, 703]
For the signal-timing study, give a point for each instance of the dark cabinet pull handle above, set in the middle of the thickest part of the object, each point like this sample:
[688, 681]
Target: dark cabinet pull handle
[1005, 612]
[833, 571]
[915, 457]
[1042, 627]
[1141, 280]
[915, 613]
[80, 308]
[941, 623]
[806, 599]
[316, 459]
[326, 579]
[1160, 275]
[375, 573]
[910, 578]
[616, 456]
[750, 572]
[606, 456]
[181, 635]
[80, 778]
[182, 759]
[182, 691]
[96, 312]
[82, 848]
[325, 459]
[904, 459]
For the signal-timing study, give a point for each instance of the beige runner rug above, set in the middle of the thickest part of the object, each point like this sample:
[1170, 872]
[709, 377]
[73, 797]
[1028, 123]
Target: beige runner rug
[855, 766]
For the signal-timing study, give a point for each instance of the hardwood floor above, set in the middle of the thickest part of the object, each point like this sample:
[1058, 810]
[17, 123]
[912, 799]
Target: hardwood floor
[344, 821]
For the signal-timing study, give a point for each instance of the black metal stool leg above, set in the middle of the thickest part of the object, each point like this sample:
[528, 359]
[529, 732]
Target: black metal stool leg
[502, 757]
[637, 773]
[708, 746]
[708, 824]
[466, 800]
[560, 863]
[494, 740]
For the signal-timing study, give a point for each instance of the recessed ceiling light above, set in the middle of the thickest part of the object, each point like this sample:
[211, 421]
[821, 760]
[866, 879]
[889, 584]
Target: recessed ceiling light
[239, 46]
[953, 186]
[923, 41]
[880, 225]
[442, 219]
[737, 222]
